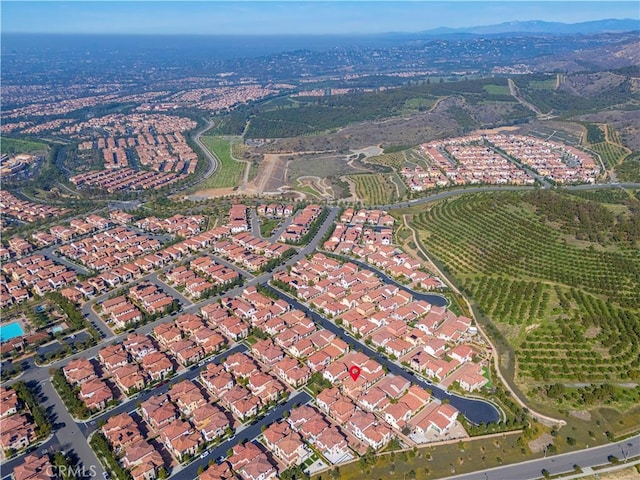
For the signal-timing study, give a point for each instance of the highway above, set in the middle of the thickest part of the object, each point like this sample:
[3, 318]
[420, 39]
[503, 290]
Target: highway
[213, 160]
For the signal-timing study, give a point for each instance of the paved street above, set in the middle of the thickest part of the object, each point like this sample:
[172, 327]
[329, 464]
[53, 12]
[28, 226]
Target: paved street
[67, 436]
[558, 464]
[249, 433]
[71, 436]
[432, 298]
[476, 411]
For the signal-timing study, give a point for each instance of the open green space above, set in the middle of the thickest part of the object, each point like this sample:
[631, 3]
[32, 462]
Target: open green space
[229, 172]
[558, 275]
[315, 115]
[268, 226]
[497, 89]
[436, 461]
[13, 146]
[539, 90]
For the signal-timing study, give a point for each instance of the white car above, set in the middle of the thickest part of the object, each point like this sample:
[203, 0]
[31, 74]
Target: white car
[204, 454]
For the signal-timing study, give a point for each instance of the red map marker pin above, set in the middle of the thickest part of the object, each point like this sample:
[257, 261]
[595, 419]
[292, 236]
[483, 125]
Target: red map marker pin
[354, 372]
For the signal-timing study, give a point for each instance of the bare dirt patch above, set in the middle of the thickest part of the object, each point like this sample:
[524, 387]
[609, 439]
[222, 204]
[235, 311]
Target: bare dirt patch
[592, 332]
[493, 131]
[540, 443]
[214, 193]
[581, 414]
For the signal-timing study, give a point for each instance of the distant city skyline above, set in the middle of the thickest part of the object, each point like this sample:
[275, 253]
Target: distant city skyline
[291, 17]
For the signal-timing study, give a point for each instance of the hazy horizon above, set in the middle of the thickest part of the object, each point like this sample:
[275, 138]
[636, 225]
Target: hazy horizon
[291, 18]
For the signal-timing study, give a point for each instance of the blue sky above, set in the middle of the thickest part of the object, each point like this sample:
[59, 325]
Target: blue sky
[290, 17]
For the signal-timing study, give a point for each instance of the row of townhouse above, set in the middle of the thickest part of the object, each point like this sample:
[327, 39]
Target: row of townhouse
[367, 217]
[331, 440]
[121, 312]
[34, 468]
[374, 245]
[179, 225]
[77, 227]
[301, 223]
[132, 448]
[16, 247]
[277, 210]
[143, 265]
[93, 390]
[261, 390]
[27, 211]
[189, 339]
[17, 428]
[388, 317]
[184, 419]
[250, 462]
[114, 180]
[33, 275]
[108, 249]
[561, 163]
[238, 220]
[248, 251]
[150, 297]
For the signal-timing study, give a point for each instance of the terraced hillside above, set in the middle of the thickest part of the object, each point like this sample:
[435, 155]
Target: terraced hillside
[558, 275]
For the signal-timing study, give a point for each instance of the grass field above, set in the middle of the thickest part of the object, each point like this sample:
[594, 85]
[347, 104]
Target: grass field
[497, 89]
[229, 172]
[436, 462]
[569, 307]
[14, 146]
[373, 189]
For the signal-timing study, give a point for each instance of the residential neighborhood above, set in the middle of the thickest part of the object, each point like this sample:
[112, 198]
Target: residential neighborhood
[277, 351]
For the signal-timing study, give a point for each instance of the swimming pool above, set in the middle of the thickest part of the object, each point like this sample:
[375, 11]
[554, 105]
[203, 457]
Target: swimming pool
[10, 330]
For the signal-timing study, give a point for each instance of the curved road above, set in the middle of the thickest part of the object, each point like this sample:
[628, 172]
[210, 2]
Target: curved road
[476, 411]
[214, 162]
[432, 298]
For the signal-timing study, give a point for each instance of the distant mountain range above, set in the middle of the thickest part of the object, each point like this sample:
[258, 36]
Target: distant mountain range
[539, 26]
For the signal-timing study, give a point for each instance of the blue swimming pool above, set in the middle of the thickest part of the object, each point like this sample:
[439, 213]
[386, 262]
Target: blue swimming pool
[9, 331]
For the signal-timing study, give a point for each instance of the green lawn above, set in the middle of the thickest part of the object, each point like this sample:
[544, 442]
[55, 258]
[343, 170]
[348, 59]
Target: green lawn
[14, 146]
[229, 172]
[267, 227]
[492, 89]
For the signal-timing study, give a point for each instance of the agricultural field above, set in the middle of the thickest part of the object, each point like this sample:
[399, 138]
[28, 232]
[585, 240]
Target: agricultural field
[229, 172]
[607, 143]
[629, 169]
[374, 189]
[558, 275]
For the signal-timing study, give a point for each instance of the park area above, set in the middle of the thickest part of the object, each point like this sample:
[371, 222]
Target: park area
[229, 172]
